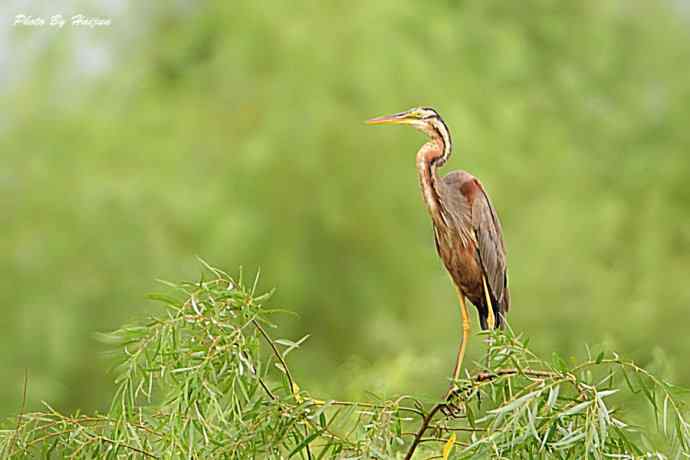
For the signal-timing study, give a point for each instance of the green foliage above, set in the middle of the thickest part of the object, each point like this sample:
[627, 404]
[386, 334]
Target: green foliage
[206, 379]
[235, 128]
[527, 407]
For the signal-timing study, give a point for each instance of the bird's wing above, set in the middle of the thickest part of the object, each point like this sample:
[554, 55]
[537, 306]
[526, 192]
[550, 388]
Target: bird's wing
[492, 253]
[475, 217]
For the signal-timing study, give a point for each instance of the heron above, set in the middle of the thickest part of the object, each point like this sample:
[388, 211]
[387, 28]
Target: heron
[467, 232]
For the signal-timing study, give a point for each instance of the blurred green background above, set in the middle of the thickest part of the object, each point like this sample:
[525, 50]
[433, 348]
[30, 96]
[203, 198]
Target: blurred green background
[234, 131]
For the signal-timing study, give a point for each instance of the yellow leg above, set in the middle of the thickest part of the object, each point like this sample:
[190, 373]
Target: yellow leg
[465, 337]
[491, 319]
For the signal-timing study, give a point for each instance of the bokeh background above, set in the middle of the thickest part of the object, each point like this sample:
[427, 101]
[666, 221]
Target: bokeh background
[234, 131]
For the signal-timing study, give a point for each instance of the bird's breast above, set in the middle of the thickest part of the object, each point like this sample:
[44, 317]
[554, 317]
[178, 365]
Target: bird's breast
[459, 256]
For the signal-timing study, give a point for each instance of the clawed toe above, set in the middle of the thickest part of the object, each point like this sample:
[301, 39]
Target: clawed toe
[451, 393]
[453, 407]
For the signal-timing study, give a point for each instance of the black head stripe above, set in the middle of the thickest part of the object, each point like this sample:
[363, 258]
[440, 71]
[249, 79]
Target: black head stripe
[434, 113]
[444, 133]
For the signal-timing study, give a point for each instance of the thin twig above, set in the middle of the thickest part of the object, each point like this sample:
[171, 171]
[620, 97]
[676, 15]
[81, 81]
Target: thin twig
[126, 446]
[291, 382]
[263, 385]
[276, 352]
[93, 437]
[444, 428]
[425, 424]
[20, 417]
[367, 405]
[481, 377]
[258, 377]
[484, 376]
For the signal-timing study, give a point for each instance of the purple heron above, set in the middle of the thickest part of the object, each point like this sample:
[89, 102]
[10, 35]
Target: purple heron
[467, 231]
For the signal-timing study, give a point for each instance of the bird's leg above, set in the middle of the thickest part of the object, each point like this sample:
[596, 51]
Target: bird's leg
[491, 319]
[465, 337]
[461, 351]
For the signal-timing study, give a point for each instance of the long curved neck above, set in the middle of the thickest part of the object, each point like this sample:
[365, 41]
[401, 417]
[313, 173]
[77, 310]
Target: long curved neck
[432, 155]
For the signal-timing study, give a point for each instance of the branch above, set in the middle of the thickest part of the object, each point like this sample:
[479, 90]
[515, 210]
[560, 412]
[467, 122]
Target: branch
[276, 352]
[425, 424]
[484, 376]
[478, 378]
[21, 413]
[291, 382]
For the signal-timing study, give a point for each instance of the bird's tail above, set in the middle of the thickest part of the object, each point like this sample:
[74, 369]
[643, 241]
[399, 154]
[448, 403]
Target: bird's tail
[499, 314]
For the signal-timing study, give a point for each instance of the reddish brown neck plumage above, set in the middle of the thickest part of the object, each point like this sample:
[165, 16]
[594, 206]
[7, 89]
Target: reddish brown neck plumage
[427, 158]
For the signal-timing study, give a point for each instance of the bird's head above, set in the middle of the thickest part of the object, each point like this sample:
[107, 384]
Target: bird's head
[425, 119]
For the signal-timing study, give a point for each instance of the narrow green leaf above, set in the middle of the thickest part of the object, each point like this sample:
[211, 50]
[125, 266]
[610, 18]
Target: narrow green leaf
[304, 443]
[516, 403]
[166, 299]
[559, 362]
[568, 440]
[470, 416]
[605, 393]
[578, 408]
[665, 416]
[553, 396]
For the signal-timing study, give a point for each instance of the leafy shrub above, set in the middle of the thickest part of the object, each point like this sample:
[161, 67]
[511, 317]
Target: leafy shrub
[207, 380]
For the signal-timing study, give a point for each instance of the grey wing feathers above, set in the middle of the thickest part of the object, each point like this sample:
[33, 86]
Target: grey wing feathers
[491, 249]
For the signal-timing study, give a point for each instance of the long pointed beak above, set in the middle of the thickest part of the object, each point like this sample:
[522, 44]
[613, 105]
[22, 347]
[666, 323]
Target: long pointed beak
[395, 119]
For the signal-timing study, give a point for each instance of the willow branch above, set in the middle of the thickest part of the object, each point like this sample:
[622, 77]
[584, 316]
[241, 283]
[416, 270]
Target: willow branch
[484, 376]
[280, 358]
[367, 405]
[21, 413]
[276, 352]
[425, 424]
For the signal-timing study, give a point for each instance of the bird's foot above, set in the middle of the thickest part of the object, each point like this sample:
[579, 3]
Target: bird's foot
[453, 407]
